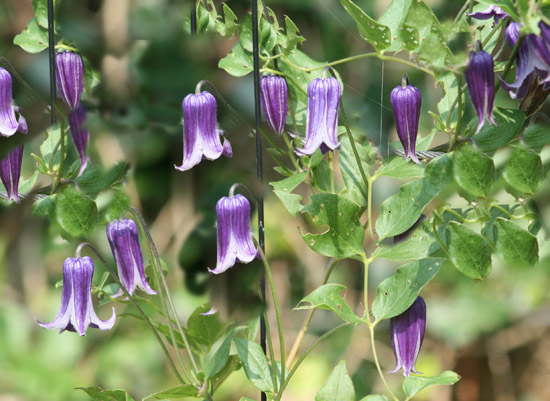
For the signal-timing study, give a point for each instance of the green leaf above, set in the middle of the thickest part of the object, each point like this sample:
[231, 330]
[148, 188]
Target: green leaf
[516, 245]
[45, 207]
[344, 236]
[51, 143]
[414, 384]
[372, 31]
[219, 354]
[396, 293]
[33, 39]
[206, 16]
[229, 25]
[439, 172]
[95, 180]
[293, 37]
[41, 11]
[267, 35]
[183, 391]
[338, 387]
[357, 188]
[493, 137]
[75, 213]
[523, 171]
[536, 136]
[99, 394]
[283, 189]
[374, 397]
[205, 329]
[469, 251]
[238, 62]
[233, 363]
[117, 206]
[420, 244]
[328, 297]
[473, 171]
[393, 18]
[401, 168]
[450, 87]
[255, 364]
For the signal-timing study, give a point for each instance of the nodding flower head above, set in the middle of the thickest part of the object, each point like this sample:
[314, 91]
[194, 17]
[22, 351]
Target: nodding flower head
[124, 241]
[480, 78]
[77, 311]
[323, 98]
[201, 137]
[79, 134]
[274, 98]
[10, 172]
[9, 123]
[407, 333]
[234, 235]
[406, 101]
[68, 75]
[493, 11]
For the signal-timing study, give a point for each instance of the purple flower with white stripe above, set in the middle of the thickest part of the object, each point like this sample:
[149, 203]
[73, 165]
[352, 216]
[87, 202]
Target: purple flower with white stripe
[323, 98]
[77, 310]
[9, 123]
[10, 172]
[68, 74]
[124, 241]
[79, 134]
[407, 334]
[274, 98]
[406, 101]
[201, 136]
[493, 11]
[234, 235]
[480, 78]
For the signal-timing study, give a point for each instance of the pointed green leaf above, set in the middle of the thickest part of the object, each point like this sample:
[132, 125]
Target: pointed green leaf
[238, 62]
[516, 245]
[414, 384]
[420, 244]
[401, 168]
[95, 180]
[205, 329]
[396, 293]
[372, 31]
[33, 39]
[206, 16]
[473, 171]
[375, 397]
[328, 297]
[217, 358]
[536, 136]
[100, 394]
[74, 212]
[283, 189]
[469, 251]
[117, 206]
[338, 387]
[255, 364]
[493, 137]
[357, 188]
[293, 37]
[523, 171]
[229, 25]
[179, 392]
[393, 18]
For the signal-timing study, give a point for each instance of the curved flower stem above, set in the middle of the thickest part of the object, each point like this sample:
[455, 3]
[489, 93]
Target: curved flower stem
[462, 11]
[141, 311]
[269, 342]
[277, 311]
[375, 357]
[304, 356]
[156, 261]
[456, 136]
[307, 320]
[62, 154]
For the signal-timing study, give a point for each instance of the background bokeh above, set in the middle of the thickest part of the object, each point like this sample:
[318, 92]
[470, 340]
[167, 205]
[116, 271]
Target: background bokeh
[494, 333]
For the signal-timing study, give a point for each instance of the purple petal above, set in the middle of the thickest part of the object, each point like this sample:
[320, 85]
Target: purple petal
[274, 95]
[79, 134]
[240, 223]
[227, 251]
[69, 78]
[481, 86]
[492, 12]
[10, 172]
[9, 124]
[406, 102]
[83, 271]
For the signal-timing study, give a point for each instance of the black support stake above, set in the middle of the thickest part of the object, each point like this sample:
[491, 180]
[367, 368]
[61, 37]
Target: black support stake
[51, 50]
[194, 18]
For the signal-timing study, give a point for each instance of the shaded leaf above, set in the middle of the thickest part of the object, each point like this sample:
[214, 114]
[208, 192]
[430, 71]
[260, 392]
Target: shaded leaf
[33, 39]
[338, 387]
[414, 384]
[205, 329]
[217, 358]
[469, 251]
[473, 171]
[238, 62]
[100, 394]
[523, 170]
[183, 391]
[75, 213]
[420, 244]
[283, 189]
[493, 137]
[516, 245]
[255, 364]
[372, 31]
[95, 180]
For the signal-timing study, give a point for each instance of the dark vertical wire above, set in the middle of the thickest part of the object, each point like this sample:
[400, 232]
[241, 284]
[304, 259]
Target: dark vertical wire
[51, 50]
[194, 18]
[259, 168]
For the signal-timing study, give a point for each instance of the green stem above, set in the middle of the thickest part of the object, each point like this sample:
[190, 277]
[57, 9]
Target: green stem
[331, 171]
[436, 235]
[511, 60]
[459, 122]
[291, 153]
[462, 11]
[375, 357]
[366, 315]
[62, 162]
[369, 205]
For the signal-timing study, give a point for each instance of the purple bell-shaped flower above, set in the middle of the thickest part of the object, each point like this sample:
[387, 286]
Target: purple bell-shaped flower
[79, 134]
[323, 98]
[68, 74]
[274, 98]
[201, 137]
[9, 123]
[124, 241]
[406, 101]
[493, 11]
[10, 172]
[234, 235]
[407, 333]
[77, 311]
[542, 50]
[480, 78]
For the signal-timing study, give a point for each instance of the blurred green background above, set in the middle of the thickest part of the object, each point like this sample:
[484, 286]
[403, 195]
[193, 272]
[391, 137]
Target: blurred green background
[494, 333]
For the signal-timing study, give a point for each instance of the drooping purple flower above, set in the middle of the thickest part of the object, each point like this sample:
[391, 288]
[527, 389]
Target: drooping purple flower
[77, 311]
[234, 235]
[542, 49]
[10, 172]
[274, 98]
[68, 74]
[407, 333]
[323, 98]
[124, 241]
[493, 11]
[201, 136]
[79, 134]
[9, 124]
[480, 78]
[406, 101]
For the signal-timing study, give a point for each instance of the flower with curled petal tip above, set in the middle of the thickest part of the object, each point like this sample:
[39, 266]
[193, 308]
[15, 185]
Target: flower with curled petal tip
[79, 134]
[406, 101]
[480, 78]
[77, 311]
[124, 241]
[274, 98]
[68, 74]
[201, 137]
[9, 124]
[493, 11]
[407, 333]
[542, 49]
[323, 98]
[234, 235]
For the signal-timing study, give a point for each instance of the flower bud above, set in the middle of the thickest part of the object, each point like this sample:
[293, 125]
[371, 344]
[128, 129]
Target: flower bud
[68, 75]
[79, 134]
[274, 97]
[406, 101]
[10, 172]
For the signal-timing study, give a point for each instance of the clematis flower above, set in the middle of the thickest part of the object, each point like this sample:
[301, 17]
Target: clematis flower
[274, 97]
[124, 241]
[79, 134]
[77, 311]
[542, 49]
[406, 101]
[68, 74]
[9, 124]
[407, 333]
[234, 235]
[10, 172]
[323, 98]
[201, 136]
[493, 11]
[481, 84]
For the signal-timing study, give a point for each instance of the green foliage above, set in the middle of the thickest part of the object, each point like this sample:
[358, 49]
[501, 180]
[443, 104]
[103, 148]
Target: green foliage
[373, 32]
[179, 392]
[420, 244]
[412, 385]
[255, 364]
[75, 212]
[493, 137]
[99, 394]
[283, 189]
[516, 245]
[33, 39]
[469, 251]
[523, 171]
[204, 329]
[338, 387]
[473, 171]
